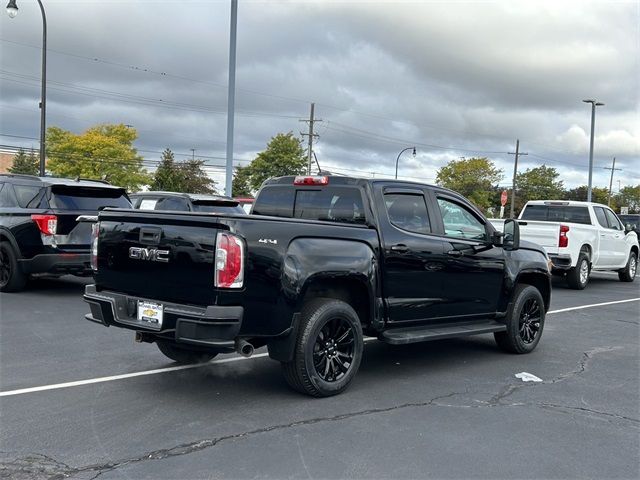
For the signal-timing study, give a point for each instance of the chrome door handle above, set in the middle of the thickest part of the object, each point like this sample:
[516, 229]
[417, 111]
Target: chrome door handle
[400, 248]
[454, 253]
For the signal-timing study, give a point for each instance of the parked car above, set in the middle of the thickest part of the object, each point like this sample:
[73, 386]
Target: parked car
[580, 237]
[185, 202]
[38, 228]
[320, 262]
[631, 219]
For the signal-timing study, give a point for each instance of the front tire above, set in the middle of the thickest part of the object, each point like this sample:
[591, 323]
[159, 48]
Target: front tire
[181, 355]
[525, 321]
[628, 274]
[578, 276]
[328, 349]
[11, 277]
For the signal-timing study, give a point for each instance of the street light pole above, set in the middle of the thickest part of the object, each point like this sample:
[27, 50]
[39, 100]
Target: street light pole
[594, 104]
[231, 97]
[401, 152]
[12, 10]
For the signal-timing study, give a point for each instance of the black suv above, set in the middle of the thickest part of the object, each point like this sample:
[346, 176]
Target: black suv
[38, 228]
[186, 202]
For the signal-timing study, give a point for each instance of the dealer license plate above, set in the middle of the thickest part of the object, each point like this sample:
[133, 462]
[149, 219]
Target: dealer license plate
[150, 314]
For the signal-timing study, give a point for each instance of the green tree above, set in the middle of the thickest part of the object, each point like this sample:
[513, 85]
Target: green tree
[241, 182]
[26, 164]
[475, 178]
[539, 183]
[167, 176]
[598, 194]
[629, 196]
[193, 178]
[101, 152]
[284, 155]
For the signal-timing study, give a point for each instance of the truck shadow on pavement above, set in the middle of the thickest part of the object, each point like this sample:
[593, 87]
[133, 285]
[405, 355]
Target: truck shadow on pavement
[383, 366]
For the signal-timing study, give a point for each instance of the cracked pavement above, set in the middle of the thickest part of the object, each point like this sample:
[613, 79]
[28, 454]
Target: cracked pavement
[450, 409]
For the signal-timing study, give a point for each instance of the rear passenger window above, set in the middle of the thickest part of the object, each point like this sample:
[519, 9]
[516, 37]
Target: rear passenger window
[6, 196]
[408, 212]
[26, 195]
[602, 218]
[460, 222]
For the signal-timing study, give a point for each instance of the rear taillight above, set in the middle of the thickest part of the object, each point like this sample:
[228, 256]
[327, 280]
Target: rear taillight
[229, 261]
[563, 240]
[47, 224]
[317, 180]
[95, 233]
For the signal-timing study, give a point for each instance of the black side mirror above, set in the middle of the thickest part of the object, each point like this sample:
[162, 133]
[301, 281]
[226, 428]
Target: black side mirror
[511, 239]
[629, 228]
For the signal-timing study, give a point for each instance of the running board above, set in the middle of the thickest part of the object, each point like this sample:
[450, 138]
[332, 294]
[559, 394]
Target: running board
[400, 336]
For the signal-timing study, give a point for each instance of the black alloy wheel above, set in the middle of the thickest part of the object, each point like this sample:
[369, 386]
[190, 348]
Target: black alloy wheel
[11, 277]
[334, 349]
[530, 316]
[524, 321]
[328, 348]
[5, 268]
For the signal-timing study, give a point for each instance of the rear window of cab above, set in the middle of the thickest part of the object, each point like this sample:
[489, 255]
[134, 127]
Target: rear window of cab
[334, 204]
[557, 213]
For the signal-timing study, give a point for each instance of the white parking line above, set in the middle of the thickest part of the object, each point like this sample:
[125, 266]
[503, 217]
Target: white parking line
[593, 305]
[123, 376]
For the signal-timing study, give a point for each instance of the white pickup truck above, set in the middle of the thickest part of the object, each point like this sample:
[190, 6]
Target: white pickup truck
[579, 237]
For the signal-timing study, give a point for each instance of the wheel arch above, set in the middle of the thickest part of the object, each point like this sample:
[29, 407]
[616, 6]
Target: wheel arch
[539, 280]
[7, 236]
[588, 249]
[351, 289]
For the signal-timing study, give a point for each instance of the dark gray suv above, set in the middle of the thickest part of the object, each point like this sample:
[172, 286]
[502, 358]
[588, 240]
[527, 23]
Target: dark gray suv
[39, 233]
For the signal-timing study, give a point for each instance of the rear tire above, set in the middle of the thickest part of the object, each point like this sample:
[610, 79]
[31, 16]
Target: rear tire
[628, 274]
[578, 276]
[328, 349]
[11, 277]
[525, 321]
[181, 355]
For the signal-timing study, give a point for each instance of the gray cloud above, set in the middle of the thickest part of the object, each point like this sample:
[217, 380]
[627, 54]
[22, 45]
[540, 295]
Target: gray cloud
[453, 78]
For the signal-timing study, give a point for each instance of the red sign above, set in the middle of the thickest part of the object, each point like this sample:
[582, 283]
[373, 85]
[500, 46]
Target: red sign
[503, 198]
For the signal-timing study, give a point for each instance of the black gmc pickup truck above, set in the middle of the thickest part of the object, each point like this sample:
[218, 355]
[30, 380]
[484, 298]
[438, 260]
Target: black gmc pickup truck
[320, 263]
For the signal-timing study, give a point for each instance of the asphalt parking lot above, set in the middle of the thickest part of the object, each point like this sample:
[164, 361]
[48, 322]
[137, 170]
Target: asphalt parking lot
[448, 409]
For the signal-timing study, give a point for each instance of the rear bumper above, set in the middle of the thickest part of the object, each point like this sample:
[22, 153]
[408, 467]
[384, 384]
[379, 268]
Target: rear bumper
[58, 263]
[560, 262]
[213, 326]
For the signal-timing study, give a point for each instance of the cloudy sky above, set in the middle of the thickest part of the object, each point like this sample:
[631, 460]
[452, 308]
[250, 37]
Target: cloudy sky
[454, 78]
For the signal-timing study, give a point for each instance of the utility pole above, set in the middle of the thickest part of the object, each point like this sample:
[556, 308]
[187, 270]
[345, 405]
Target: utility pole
[311, 136]
[517, 153]
[231, 98]
[193, 153]
[594, 104]
[612, 168]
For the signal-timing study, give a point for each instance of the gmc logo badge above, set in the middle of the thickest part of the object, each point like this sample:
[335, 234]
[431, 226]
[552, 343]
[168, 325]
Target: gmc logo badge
[149, 254]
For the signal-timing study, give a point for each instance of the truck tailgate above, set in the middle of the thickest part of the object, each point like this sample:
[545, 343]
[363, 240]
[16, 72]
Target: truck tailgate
[158, 255]
[543, 233]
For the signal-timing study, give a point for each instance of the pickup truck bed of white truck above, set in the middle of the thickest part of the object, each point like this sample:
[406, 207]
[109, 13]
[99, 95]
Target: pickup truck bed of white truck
[579, 237]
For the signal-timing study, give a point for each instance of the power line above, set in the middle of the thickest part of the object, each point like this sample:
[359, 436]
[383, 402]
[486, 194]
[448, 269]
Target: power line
[130, 98]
